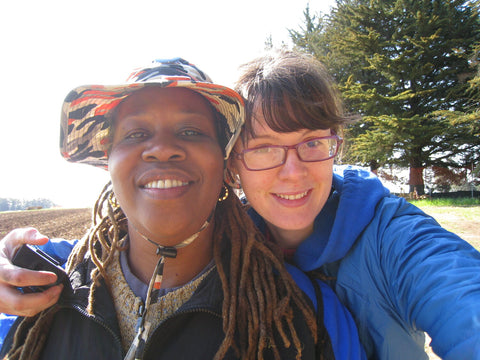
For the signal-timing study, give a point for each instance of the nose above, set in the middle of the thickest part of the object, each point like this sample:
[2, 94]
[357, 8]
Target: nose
[294, 168]
[163, 148]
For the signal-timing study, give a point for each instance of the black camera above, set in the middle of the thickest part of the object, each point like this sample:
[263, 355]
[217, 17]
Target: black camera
[31, 257]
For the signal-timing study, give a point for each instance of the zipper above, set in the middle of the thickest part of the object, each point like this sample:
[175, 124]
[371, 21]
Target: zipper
[180, 313]
[79, 309]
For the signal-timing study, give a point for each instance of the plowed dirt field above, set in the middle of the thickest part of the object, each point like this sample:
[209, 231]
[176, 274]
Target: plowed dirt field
[72, 223]
[54, 223]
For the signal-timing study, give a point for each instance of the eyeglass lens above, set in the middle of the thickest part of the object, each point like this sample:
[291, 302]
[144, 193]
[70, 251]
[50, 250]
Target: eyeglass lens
[267, 157]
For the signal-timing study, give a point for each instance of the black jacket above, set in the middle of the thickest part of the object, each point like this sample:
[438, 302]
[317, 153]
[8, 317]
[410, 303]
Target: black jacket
[193, 332]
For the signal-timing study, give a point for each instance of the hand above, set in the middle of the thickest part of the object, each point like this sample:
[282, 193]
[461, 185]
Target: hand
[12, 300]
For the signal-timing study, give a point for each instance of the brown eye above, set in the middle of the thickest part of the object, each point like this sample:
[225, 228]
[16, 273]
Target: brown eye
[191, 132]
[137, 134]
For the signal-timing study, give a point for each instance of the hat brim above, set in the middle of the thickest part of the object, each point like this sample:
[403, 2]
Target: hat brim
[85, 120]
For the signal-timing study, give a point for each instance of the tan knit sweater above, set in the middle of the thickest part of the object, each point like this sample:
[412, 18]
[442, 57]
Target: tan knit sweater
[127, 304]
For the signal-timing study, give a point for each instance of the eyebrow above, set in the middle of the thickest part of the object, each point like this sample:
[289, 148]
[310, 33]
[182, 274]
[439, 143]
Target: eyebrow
[270, 137]
[137, 116]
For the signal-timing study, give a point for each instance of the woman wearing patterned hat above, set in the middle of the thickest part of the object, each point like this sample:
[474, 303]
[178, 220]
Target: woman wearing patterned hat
[172, 267]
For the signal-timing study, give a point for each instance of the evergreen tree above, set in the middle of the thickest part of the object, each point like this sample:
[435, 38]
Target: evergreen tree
[406, 66]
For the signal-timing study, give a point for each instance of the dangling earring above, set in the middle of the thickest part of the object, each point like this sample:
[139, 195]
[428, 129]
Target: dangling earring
[225, 196]
[112, 200]
[232, 180]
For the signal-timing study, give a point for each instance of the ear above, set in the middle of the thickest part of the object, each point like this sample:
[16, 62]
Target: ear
[230, 175]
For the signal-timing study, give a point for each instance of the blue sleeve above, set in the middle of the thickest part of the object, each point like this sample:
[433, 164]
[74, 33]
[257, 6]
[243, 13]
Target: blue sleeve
[340, 326]
[337, 319]
[6, 322]
[434, 282]
[59, 249]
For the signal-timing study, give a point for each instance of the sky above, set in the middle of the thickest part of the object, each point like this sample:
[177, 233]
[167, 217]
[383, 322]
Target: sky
[49, 47]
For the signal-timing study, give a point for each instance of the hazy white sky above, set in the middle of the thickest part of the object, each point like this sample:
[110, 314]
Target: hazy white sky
[49, 47]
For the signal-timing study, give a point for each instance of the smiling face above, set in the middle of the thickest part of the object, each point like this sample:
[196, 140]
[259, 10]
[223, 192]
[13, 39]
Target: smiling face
[290, 196]
[165, 163]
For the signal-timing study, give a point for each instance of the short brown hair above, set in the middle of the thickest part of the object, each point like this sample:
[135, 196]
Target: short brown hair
[293, 91]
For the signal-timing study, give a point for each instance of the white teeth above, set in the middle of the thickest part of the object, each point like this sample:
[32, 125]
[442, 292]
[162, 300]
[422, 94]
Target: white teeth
[165, 184]
[292, 197]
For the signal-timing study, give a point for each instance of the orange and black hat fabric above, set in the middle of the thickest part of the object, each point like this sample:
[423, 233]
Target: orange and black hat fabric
[85, 120]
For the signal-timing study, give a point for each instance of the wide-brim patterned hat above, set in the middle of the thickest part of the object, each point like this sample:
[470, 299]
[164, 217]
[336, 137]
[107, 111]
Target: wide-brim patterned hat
[85, 121]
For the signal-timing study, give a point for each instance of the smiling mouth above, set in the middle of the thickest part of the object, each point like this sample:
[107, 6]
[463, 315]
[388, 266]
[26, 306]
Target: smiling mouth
[165, 184]
[292, 197]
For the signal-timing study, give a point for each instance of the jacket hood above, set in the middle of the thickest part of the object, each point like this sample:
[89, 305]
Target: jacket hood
[349, 209]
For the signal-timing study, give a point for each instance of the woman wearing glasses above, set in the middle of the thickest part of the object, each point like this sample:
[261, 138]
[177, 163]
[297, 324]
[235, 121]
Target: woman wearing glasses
[283, 187]
[395, 268]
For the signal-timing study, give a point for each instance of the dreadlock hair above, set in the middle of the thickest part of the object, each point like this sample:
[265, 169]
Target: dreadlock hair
[259, 293]
[103, 236]
[254, 305]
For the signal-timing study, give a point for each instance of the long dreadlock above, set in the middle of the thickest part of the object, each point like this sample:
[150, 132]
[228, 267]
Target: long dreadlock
[254, 305]
[258, 291]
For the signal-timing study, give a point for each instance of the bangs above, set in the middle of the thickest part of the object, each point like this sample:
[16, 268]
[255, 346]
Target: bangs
[289, 111]
[291, 91]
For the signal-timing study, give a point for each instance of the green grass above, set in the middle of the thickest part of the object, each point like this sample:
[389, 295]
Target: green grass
[447, 202]
[461, 216]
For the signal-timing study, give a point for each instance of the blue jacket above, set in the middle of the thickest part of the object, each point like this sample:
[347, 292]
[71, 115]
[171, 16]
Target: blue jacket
[338, 321]
[398, 272]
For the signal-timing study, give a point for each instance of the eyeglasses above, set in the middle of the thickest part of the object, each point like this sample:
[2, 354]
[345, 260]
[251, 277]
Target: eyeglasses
[272, 156]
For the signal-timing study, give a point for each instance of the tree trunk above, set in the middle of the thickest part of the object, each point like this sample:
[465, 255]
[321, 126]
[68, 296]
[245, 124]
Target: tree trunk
[416, 181]
[374, 166]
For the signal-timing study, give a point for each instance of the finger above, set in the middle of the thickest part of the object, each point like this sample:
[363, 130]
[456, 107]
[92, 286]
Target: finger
[16, 238]
[31, 235]
[20, 277]
[15, 303]
[27, 235]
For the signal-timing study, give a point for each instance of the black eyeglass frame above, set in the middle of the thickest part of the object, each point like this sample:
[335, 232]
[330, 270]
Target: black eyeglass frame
[334, 136]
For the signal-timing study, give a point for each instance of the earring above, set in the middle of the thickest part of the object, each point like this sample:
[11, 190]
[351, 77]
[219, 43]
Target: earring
[225, 196]
[232, 180]
[112, 200]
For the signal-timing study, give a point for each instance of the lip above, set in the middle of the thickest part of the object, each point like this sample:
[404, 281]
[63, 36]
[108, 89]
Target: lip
[293, 199]
[165, 184]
